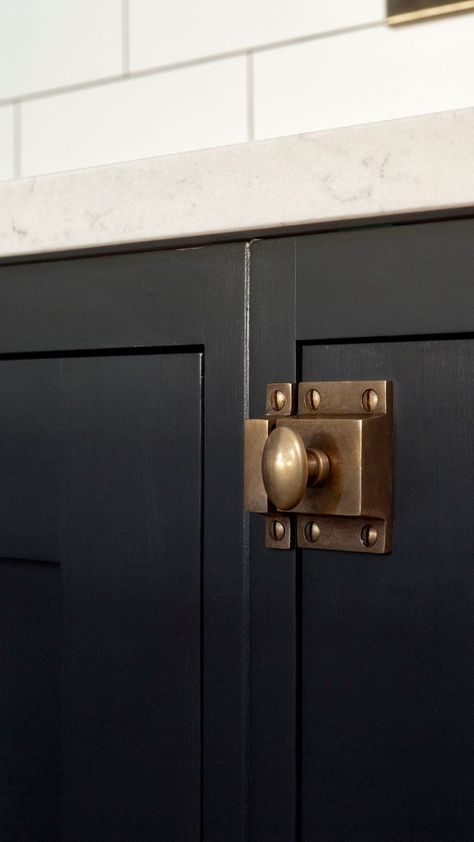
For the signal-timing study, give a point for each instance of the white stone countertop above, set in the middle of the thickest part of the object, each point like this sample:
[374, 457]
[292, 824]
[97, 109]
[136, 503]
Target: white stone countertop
[415, 165]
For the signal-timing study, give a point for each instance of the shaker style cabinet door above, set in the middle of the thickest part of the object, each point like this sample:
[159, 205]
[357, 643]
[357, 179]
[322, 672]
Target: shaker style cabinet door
[362, 680]
[164, 675]
[122, 548]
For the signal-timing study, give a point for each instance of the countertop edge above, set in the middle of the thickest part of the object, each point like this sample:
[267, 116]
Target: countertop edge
[416, 165]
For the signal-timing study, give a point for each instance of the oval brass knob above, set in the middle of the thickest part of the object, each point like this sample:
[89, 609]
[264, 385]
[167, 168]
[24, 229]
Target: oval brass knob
[288, 468]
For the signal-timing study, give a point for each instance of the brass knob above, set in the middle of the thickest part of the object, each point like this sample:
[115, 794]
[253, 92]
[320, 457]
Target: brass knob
[288, 468]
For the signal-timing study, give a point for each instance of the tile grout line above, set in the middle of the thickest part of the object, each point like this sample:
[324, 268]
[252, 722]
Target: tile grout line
[185, 63]
[250, 97]
[126, 37]
[17, 139]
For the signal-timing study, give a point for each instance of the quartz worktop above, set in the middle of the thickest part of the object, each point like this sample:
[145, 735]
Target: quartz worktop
[374, 171]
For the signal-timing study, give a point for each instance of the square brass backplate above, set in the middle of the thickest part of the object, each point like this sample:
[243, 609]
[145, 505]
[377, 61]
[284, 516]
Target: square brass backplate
[346, 423]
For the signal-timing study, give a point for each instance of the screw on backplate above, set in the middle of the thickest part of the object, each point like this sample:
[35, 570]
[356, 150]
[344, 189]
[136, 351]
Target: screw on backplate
[368, 535]
[370, 400]
[277, 530]
[311, 532]
[277, 400]
[312, 400]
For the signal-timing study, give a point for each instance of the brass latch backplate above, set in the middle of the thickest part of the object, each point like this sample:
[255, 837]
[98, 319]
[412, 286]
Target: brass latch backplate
[319, 465]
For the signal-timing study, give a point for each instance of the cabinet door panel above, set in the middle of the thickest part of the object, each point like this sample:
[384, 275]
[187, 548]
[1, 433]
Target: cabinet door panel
[30, 455]
[30, 670]
[386, 731]
[387, 713]
[122, 382]
[106, 479]
[132, 591]
[362, 729]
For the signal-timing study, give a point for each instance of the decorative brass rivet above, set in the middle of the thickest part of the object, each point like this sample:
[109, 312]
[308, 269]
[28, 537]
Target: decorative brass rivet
[277, 530]
[368, 535]
[311, 532]
[278, 400]
[370, 400]
[312, 400]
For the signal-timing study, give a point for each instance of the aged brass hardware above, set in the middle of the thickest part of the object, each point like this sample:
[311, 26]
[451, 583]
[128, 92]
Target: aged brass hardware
[288, 468]
[409, 11]
[280, 399]
[311, 532]
[329, 463]
[277, 532]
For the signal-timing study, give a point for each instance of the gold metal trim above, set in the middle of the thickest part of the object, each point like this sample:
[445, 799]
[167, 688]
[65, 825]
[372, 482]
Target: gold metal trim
[430, 12]
[330, 464]
[347, 534]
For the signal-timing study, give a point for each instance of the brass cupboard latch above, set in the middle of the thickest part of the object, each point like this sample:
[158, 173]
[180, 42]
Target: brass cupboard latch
[324, 455]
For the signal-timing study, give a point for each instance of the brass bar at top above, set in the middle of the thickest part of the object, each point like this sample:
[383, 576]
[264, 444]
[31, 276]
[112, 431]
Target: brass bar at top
[430, 11]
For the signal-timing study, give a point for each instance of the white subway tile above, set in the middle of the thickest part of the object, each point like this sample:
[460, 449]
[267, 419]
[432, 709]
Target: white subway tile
[366, 76]
[165, 32]
[6, 142]
[50, 43]
[167, 112]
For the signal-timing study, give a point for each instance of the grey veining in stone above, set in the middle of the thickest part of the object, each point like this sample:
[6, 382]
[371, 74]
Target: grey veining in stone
[402, 166]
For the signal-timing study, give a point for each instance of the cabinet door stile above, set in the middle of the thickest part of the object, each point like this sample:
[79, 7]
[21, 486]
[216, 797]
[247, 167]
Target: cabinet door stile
[274, 577]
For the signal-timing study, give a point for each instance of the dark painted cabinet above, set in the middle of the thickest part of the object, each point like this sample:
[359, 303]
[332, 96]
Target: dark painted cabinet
[164, 676]
[122, 382]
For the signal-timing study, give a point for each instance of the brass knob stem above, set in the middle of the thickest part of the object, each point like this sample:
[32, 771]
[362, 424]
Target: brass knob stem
[288, 468]
[318, 466]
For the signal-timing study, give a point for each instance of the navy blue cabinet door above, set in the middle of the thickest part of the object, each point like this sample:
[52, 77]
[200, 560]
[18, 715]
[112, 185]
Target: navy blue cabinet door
[362, 686]
[163, 675]
[121, 548]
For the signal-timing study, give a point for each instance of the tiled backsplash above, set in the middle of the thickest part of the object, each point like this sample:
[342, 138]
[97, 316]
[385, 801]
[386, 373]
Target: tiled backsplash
[6, 142]
[85, 82]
